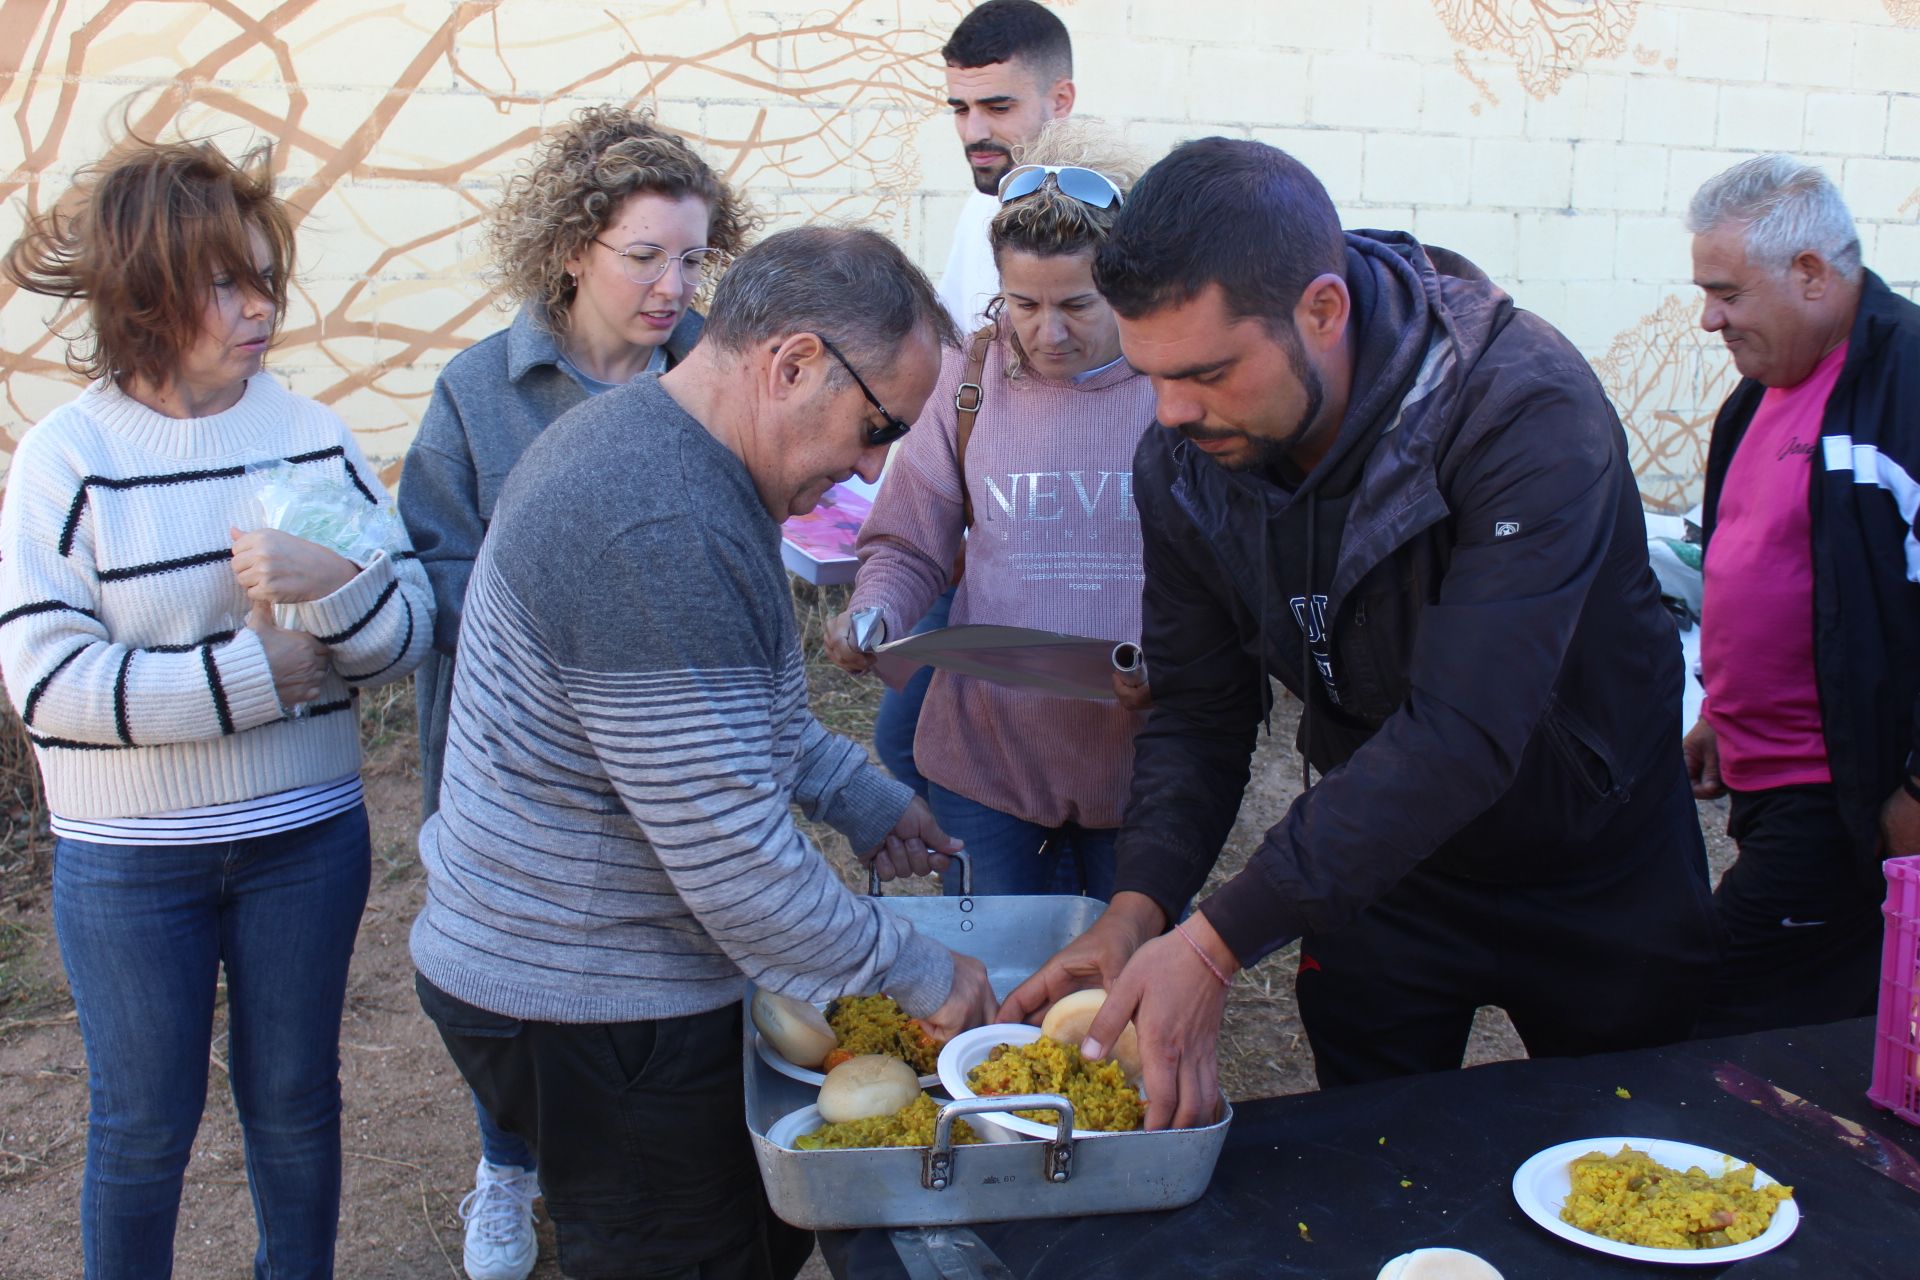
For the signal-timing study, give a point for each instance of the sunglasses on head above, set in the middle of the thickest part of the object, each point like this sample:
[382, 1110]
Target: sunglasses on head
[1088, 186]
[876, 436]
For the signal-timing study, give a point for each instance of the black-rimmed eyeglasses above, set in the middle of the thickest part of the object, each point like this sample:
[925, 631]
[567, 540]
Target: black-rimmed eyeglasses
[646, 263]
[876, 436]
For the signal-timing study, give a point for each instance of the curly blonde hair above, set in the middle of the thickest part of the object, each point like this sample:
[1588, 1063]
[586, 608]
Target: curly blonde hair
[1049, 221]
[573, 187]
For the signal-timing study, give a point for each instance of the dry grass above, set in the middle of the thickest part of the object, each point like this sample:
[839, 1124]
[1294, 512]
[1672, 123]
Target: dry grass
[843, 703]
[25, 847]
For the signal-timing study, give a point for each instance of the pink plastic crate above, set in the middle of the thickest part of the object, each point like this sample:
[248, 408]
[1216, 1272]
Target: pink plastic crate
[1896, 1057]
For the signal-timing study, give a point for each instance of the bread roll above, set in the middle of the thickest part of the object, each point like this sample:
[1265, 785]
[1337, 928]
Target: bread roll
[1070, 1017]
[797, 1031]
[869, 1085]
[1439, 1264]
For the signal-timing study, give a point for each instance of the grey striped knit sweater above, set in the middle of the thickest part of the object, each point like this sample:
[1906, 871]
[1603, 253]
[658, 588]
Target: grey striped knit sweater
[122, 631]
[629, 728]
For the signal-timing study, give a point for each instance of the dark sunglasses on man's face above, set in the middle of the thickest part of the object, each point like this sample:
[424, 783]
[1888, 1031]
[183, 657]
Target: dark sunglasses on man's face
[876, 436]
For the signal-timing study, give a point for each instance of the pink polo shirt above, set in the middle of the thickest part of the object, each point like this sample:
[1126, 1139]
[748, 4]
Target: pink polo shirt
[1756, 628]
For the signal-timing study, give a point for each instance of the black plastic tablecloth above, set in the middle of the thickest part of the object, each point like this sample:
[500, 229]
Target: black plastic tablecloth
[1458, 1136]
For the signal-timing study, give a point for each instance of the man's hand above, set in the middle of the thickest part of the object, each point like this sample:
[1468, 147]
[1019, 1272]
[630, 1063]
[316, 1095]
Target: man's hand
[841, 650]
[278, 568]
[1094, 959]
[298, 661]
[1175, 1004]
[1134, 697]
[1899, 825]
[1702, 750]
[969, 1004]
[915, 847]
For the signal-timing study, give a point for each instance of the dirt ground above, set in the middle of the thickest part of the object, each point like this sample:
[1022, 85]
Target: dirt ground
[408, 1131]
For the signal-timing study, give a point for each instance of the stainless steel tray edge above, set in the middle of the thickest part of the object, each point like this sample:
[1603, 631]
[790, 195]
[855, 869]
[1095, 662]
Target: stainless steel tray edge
[1112, 1173]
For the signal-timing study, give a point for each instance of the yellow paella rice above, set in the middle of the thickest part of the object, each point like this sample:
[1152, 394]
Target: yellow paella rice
[1101, 1097]
[876, 1024]
[910, 1126]
[1629, 1198]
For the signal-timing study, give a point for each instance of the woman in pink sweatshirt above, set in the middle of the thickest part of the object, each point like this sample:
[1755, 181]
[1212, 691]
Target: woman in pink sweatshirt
[1035, 784]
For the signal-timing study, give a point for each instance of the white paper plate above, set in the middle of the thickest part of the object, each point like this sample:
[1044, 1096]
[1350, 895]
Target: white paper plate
[805, 1075]
[794, 1125]
[969, 1049]
[1542, 1184]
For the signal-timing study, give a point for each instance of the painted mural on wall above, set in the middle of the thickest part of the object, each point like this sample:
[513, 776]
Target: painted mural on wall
[1667, 378]
[1548, 41]
[394, 125]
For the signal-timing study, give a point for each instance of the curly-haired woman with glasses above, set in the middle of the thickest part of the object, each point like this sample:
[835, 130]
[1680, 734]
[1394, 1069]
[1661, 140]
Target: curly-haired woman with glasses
[604, 240]
[1038, 484]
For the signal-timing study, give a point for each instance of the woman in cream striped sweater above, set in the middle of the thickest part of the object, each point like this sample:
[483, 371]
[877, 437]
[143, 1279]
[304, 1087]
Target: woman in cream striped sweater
[190, 693]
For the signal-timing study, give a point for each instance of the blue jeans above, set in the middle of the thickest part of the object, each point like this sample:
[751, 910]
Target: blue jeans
[497, 1146]
[1011, 855]
[899, 716]
[144, 932]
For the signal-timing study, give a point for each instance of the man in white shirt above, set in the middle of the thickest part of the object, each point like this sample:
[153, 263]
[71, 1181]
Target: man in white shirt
[1009, 72]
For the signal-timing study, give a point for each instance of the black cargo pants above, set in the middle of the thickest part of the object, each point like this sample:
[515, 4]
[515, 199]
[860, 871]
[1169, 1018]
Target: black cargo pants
[640, 1134]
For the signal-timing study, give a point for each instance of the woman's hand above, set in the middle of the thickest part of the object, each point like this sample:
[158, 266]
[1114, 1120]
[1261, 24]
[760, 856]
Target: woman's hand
[297, 660]
[841, 650]
[278, 568]
[1133, 697]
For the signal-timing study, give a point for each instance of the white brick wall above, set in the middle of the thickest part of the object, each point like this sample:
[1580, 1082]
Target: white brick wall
[1671, 112]
[1846, 123]
[1619, 175]
[1518, 172]
[1559, 158]
[1364, 92]
[1761, 117]
[1424, 170]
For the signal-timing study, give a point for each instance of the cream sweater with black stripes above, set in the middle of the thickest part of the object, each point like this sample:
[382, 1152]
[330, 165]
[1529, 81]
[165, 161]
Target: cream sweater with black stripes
[122, 629]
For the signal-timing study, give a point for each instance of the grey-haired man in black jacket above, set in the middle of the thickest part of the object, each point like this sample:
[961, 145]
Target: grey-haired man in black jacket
[1385, 485]
[1811, 623]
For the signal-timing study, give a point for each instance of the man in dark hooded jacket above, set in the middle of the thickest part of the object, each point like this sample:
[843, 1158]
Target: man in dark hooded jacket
[1385, 485]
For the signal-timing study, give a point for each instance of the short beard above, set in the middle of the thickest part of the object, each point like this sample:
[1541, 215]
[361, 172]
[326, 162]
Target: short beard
[987, 182]
[1266, 453]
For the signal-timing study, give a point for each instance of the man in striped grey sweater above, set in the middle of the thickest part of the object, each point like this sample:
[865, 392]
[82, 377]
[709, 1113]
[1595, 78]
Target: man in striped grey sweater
[614, 854]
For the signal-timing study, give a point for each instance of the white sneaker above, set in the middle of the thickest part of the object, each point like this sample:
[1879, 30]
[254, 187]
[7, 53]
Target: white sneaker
[499, 1217]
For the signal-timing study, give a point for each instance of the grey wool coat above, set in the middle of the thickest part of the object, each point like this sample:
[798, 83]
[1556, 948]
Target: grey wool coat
[489, 403]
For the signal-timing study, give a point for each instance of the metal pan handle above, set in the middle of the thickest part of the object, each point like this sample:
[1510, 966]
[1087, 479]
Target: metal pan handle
[936, 1163]
[966, 875]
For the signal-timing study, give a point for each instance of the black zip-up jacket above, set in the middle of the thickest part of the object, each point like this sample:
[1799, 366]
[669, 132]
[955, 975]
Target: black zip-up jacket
[1864, 501]
[1498, 673]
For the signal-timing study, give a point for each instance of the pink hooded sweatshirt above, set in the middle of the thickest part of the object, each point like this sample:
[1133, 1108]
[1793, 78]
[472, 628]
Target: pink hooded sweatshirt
[1055, 545]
